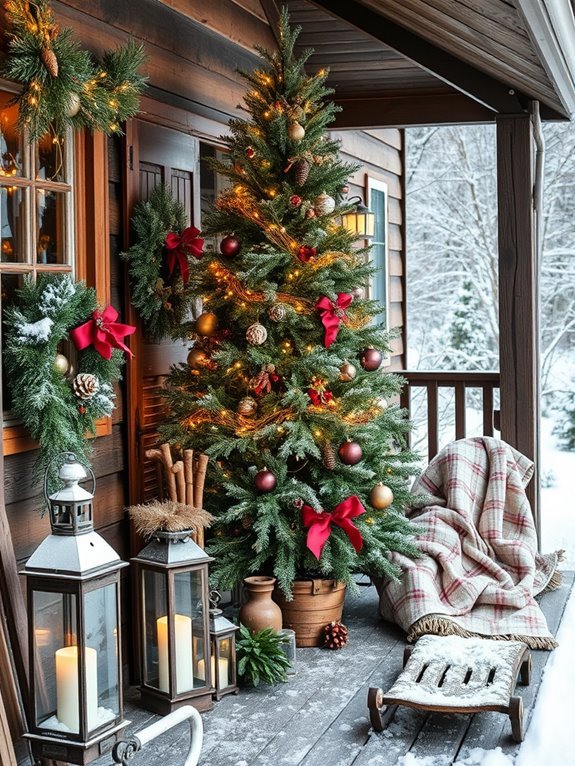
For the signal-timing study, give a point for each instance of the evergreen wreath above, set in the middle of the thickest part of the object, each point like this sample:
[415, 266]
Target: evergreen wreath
[63, 85]
[58, 410]
[158, 264]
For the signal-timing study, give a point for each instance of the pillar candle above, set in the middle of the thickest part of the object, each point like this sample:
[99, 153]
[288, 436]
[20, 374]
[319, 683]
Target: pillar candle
[183, 653]
[67, 693]
[223, 665]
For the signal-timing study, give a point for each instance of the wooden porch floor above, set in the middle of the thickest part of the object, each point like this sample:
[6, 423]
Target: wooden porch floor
[320, 716]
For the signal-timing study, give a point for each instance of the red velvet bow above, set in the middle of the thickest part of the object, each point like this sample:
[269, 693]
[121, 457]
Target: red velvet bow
[179, 246]
[320, 524]
[332, 314]
[103, 332]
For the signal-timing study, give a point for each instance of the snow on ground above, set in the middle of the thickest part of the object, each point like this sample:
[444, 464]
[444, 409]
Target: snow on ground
[557, 500]
[549, 738]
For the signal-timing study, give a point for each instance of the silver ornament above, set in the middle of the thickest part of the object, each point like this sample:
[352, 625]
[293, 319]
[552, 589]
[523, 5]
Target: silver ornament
[324, 204]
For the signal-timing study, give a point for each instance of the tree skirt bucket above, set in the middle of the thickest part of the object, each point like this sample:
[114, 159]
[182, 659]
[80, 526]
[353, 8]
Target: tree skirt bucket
[315, 603]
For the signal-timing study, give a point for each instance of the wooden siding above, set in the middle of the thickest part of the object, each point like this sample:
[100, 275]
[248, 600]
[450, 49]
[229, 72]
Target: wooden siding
[380, 153]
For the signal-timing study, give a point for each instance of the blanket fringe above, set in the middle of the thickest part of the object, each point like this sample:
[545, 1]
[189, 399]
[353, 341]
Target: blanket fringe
[442, 626]
[556, 578]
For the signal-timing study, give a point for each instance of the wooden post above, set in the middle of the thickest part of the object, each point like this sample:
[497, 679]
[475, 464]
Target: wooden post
[518, 293]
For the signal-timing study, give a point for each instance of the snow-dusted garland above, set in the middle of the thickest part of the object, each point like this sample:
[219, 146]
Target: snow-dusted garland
[59, 399]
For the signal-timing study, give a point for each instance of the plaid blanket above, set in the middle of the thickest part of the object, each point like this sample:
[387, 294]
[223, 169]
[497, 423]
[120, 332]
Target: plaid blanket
[480, 569]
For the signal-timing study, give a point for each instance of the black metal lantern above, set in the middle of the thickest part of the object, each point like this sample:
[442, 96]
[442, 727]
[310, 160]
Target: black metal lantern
[74, 631]
[172, 584]
[223, 649]
[360, 221]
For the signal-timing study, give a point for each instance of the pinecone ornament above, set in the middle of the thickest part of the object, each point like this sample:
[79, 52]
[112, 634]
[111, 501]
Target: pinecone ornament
[335, 635]
[85, 385]
[48, 58]
[329, 454]
[277, 312]
[301, 172]
[256, 334]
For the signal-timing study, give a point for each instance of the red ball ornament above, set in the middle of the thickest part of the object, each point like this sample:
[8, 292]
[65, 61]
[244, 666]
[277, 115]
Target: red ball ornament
[265, 481]
[350, 453]
[295, 200]
[230, 246]
[370, 359]
[250, 152]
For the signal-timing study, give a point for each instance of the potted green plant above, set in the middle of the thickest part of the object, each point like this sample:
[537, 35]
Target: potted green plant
[261, 657]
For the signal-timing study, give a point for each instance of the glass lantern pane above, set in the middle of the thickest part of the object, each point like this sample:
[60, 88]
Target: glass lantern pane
[155, 646]
[50, 159]
[50, 226]
[102, 666]
[11, 163]
[188, 625]
[224, 663]
[12, 225]
[54, 633]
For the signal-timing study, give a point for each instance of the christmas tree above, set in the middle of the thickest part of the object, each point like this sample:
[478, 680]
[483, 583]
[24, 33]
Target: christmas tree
[283, 389]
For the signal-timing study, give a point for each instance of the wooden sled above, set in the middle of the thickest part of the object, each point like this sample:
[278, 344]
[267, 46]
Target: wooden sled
[449, 674]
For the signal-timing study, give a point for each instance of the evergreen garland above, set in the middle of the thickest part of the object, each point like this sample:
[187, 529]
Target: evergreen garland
[63, 85]
[161, 298]
[42, 396]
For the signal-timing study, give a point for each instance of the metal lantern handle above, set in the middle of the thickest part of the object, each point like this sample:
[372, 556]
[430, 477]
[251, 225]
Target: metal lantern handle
[67, 455]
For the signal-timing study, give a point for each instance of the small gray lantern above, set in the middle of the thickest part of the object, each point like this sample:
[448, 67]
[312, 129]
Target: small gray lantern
[223, 645]
[172, 584]
[74, 631]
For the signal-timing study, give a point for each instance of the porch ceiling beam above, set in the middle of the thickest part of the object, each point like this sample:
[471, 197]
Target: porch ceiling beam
[409, 111]
[482, 88]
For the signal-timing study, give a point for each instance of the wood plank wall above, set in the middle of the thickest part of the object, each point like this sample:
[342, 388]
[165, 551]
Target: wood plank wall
[380, 153]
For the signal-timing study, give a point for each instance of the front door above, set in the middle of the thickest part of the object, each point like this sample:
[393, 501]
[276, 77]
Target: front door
[154, 155]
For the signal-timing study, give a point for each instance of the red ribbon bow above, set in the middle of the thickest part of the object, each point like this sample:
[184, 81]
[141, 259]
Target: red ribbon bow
[320, 524]
[103, 332]
[179, 246]
[319, 397]
[332, 314]
[306, 253]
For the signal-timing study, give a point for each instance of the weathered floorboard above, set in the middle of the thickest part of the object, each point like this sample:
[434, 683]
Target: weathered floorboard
[320, 716]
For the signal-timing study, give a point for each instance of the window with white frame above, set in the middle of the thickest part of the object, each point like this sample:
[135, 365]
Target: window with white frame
[379, 287]
[36, 206]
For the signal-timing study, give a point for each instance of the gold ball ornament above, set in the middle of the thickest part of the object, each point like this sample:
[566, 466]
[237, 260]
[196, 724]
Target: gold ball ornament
[247, 406]
[73, 105]
[381, 497]
[296, 132]
[256, 334]
[197, 358]
[61, 364]
[206, 324]
[324, 204]
[347, 372]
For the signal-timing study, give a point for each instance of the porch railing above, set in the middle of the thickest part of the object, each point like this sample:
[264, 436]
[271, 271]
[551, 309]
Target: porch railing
[485, 382]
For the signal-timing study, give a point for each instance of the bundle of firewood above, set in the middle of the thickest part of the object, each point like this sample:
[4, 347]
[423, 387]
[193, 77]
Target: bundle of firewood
[184, 481]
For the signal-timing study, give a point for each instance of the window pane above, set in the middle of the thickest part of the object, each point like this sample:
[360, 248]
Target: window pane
[50, 226]
[102, 691]
[50, 159]
[9, 284]
[10, 145]
[12, 240]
